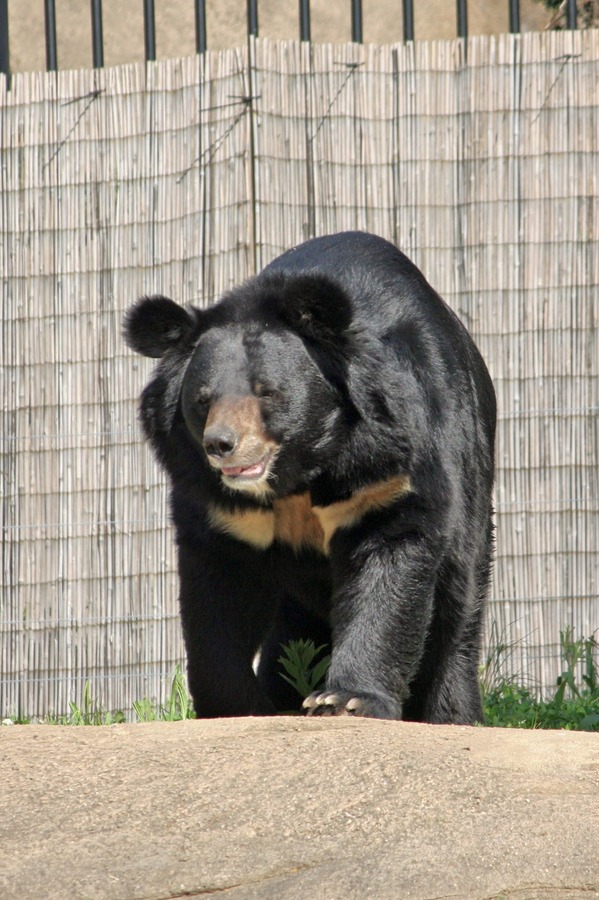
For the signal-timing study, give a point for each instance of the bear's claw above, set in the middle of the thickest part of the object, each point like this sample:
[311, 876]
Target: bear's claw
[348, 703]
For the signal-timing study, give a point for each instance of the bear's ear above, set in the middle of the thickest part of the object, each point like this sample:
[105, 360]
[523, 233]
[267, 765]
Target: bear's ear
[317, 308]
[156, 324]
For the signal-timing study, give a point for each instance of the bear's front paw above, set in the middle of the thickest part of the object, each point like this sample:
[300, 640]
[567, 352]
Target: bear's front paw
[350, 703]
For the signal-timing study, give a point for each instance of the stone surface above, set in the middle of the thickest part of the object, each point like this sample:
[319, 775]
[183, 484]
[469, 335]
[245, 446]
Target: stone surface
[297, 808]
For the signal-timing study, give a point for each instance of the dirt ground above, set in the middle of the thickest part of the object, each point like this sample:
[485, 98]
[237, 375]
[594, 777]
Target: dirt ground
[297, 808]
[226, 25]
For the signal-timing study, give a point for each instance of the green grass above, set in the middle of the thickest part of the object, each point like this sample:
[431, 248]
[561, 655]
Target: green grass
[507, 703]
[88, 711]
[178, 706]
[575, 701]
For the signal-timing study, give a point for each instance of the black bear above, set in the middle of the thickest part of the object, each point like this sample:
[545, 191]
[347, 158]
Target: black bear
[328, 431]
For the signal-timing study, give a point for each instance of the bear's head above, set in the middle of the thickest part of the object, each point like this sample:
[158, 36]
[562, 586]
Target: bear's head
[257, 382]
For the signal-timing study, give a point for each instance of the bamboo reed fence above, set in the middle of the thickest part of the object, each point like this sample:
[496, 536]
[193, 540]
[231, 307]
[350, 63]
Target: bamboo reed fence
[479, 159]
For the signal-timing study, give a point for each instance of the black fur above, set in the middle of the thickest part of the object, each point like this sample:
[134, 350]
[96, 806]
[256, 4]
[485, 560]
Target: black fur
[360, 376]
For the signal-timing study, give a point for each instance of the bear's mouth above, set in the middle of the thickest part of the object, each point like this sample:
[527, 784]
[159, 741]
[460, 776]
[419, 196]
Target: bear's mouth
[250, 476]
[255, 470]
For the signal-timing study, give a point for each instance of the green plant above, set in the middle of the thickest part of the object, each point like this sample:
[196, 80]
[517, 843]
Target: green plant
[87, 712]
[178, 706]
[575, 653]
[304, 673]
[574, 706]
[500, 652]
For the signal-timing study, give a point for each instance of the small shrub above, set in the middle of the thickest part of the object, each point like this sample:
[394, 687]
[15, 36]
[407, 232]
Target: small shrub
[574, 706]
[303, 672]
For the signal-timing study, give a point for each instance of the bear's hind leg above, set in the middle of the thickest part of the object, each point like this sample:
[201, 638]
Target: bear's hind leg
[447, 688]
[225, 619]
[455, 698]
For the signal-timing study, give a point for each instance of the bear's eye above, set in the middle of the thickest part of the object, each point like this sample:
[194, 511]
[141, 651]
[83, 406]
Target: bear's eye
[203, 395]
[265, 391]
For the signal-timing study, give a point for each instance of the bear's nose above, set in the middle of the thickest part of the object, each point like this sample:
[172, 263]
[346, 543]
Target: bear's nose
[219, 441]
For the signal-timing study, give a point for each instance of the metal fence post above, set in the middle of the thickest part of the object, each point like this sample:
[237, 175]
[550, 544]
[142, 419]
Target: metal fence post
[408, 20]
[200, 8]
[149, 30]
[356, 21]
[4, 44]
[571, 14]
[515, 16]
[50, 29]
[462, 10]
[304, 17]
[97, 35]
[253, 18]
